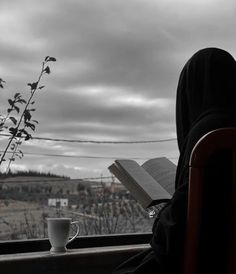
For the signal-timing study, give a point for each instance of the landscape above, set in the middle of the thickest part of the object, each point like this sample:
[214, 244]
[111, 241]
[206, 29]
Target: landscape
[102, 207]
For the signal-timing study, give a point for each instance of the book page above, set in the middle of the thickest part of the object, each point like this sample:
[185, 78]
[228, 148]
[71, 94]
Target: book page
[163, 171]
[141, 185]
[136, 191]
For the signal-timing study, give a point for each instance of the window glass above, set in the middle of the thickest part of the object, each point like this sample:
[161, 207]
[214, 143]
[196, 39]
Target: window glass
[97, 80]
[101, 207]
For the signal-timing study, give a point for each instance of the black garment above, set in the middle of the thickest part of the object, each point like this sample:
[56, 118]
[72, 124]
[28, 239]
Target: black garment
[206, 100]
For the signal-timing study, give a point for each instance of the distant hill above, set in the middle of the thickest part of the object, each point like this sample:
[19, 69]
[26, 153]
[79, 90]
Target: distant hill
[32, 174]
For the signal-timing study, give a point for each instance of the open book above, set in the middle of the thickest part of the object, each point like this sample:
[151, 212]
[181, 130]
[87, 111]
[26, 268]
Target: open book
[151, 183]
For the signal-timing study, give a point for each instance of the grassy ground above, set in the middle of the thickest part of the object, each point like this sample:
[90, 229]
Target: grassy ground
[23, 208]
[26, 220]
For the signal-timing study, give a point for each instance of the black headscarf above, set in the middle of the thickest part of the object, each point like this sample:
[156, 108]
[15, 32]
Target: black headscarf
[206, 100]
[206, 85]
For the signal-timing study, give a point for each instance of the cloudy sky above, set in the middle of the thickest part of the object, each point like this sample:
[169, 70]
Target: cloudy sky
[118, 63]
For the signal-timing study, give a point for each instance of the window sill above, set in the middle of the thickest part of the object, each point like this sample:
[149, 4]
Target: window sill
[93, 260]
[37, 245]
[86, 254]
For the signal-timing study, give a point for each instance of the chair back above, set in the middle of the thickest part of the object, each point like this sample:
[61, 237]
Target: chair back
[218, 142]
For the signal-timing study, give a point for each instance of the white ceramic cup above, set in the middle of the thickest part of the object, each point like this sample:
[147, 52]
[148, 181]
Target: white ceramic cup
[59, 232]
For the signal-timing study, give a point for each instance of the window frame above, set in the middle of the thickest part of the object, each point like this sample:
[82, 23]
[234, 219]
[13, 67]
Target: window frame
[38, 245]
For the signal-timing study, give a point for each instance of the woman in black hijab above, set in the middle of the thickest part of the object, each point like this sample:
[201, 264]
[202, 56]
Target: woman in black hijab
[206, 100]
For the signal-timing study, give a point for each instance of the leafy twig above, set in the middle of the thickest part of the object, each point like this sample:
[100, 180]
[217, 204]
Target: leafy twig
[20, 129]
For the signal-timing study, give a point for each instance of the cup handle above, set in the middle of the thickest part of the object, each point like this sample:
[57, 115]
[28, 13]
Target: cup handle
[77, 232]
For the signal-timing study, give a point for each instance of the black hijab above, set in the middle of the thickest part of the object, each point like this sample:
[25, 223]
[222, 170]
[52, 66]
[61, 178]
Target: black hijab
[207, 84]
[206, 100]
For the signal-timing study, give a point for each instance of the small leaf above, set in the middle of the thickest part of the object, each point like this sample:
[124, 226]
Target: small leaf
[32, 102]
[13, 146]
[13, 119]
[17, 95]
[19, 156]
[53, 59]
[41, 87]
[18, 134]
[9, 110]
[13, 130]
[47, 70]
[1, 81]
[17, 109]
[25, 132]
[11, 103]
[32, 126]
[28, 137]
[27, 115]
[21, 101]
[33, 85]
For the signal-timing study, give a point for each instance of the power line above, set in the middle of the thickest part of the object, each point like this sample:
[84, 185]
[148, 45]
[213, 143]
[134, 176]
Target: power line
[97, 178]
[104, 142]
[85, 156]
[64, 155]
[97, 141]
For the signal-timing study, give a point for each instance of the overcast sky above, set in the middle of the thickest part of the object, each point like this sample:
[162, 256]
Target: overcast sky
[118, 63]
